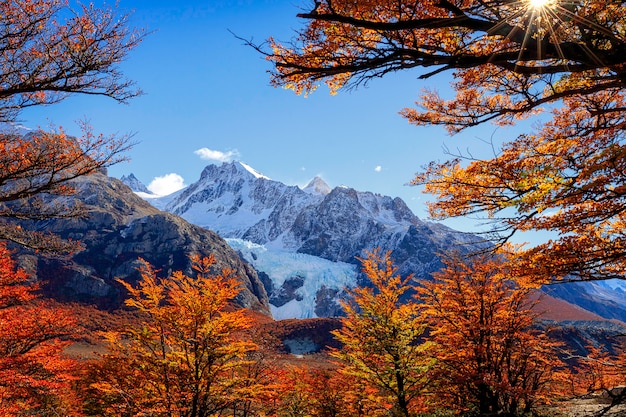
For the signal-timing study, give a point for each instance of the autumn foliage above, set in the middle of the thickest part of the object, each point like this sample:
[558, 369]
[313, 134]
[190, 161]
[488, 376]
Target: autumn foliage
[35, 375]
[516, 45]
[382, 340]
[491, 357]
[185, 358]
[39, 166]
[49, 50]
[602, 373]
[508, 60]
[466, 342]
[566, 178]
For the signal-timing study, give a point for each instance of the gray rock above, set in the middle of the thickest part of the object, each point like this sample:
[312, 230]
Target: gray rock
[119, 229]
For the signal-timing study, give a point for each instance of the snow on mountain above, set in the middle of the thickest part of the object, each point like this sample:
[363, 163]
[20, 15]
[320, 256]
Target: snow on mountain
[301, 286]
[305, 243]
[317, 186]
[236, 201]
[253, 171]
[310, 239]
[137, 186]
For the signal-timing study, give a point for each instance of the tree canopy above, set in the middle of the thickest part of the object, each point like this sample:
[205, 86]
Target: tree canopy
[183, 357]
[49, 50]
[35, 374]
[509, 60]
[383, 347]
[492, 357]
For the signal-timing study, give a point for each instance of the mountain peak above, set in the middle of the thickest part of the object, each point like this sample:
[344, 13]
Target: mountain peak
[253, 171]
[317, 186]
[135, 184]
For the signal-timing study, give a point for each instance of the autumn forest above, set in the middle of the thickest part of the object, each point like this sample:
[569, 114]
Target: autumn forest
[468, 341]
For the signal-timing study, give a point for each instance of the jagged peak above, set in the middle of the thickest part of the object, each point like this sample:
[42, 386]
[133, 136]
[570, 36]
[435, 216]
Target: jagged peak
[135, 184]
[317, 186]
[129, 178]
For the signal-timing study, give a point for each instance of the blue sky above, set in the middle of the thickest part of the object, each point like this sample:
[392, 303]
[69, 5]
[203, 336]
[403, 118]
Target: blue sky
[206, 94]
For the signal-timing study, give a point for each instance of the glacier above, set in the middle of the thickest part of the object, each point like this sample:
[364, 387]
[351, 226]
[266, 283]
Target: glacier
[283, 265]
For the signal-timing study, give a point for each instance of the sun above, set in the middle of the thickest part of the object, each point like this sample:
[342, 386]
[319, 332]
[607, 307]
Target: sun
[539, 4]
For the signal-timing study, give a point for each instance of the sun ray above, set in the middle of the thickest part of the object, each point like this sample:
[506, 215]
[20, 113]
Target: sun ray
[550, 22]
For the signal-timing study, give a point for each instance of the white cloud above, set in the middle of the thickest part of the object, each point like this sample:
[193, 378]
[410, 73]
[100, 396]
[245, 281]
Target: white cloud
[378, 168]
[212, 155]
[167, 184]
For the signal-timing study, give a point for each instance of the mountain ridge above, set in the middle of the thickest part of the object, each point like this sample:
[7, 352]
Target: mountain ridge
[120, 227]
[337, 225]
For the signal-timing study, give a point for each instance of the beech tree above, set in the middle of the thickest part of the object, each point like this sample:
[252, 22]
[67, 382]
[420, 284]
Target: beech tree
[382, 339]
[602, 374]
[508, 60]
[35, 375]
[309, 391]
[36, 168]
[491, 359]
[49, 51]
[183, 358]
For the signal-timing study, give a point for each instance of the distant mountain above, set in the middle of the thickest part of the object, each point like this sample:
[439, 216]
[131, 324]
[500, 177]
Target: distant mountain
[605, 298]
[119, 229]
[337, 225]
[328, 228]
[304, 243]
[317, 186]
[134, 184]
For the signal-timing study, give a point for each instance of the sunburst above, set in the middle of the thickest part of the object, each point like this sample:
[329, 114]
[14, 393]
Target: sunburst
[547, 22]
[540, 4]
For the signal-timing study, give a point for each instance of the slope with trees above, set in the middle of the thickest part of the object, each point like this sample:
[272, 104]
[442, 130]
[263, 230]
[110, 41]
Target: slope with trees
[491, 356]
[184, 357]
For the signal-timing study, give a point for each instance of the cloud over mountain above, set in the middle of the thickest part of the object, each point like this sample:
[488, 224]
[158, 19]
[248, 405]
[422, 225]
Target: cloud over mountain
[214, 155]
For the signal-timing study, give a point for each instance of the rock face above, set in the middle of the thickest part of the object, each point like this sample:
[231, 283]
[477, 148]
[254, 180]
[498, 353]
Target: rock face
[121, 228]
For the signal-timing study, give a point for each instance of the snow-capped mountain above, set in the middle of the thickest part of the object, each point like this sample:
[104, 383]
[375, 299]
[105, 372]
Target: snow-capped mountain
[238, 202]
[305, 241]
[134, 184]
[338, 224]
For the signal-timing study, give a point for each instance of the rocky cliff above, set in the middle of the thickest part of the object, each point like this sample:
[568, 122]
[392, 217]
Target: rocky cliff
[119, 229]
